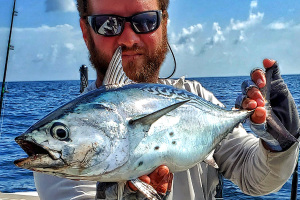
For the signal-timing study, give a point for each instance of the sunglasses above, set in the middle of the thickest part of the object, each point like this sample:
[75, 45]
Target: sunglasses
[112, 25]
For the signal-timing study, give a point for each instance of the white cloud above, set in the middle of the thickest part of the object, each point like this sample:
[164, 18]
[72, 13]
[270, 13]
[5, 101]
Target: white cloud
[187, 34]
[191, 30]
[70, 46]
[39, 57]
[60, 5]
[252, 20]
[253, 4]
[186, 38]
[46, 28]
[238, 47]
[47, 53]
[190, 39]
[242, 36]
[279, 25]
[54, 53]
[219, 36]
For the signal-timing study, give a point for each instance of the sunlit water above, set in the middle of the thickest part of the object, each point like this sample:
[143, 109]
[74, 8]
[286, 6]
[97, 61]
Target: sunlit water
[26, 102]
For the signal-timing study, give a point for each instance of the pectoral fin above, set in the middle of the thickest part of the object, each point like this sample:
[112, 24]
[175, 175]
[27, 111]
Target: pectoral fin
[151, 118]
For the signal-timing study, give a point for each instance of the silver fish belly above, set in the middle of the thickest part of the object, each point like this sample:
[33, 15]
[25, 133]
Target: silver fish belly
[119, 134]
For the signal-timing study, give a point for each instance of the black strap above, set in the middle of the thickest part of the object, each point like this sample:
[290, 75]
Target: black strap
[219, 188]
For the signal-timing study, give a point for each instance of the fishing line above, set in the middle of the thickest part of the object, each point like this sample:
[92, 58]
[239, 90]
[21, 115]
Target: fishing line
[175, 64]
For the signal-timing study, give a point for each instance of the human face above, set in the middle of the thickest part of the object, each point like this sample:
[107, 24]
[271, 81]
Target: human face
[142, 55]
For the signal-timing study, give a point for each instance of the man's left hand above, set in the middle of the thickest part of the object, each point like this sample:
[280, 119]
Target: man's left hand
[160, 179]
[282, 104]
[255, 99]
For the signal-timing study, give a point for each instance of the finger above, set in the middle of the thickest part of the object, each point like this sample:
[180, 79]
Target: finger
[258, 77]
[268, 63]
[246, 85]
[239, 101]
[256, 95]
[259, 115]
[171, 176]
[249, 104]
[162, 186]
[159, 172]
[131, 186]
[144, 178]
[160, 178]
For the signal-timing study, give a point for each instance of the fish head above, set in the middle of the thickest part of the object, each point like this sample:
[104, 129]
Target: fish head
[77, 143]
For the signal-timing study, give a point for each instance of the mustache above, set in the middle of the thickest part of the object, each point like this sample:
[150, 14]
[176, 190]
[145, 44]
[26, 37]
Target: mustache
[135, 48]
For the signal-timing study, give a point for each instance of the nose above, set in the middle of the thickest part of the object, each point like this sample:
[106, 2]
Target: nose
[128, 37]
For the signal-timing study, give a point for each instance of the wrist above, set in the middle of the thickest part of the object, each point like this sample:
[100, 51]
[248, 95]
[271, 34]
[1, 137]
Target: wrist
[268, 141]
[270, 148]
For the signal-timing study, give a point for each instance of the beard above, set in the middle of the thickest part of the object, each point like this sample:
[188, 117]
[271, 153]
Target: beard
[147, 72]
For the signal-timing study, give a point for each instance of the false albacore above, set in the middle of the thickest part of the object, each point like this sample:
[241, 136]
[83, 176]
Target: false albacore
[124, 130]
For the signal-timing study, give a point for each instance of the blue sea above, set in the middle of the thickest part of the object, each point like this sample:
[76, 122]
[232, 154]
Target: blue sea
[27, 102]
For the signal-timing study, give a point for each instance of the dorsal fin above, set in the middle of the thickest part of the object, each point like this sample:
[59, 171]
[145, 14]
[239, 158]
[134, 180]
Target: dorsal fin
[115, 74]
[152, 117]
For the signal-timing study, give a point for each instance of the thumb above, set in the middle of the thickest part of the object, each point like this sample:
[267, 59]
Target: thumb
[272, 64]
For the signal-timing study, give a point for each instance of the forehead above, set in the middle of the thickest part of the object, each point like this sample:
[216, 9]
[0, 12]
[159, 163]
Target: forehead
[121, 7]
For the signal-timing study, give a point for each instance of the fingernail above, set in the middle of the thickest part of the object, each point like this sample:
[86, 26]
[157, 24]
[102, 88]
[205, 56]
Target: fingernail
[260, 83]
[268, 63]
[259, 114]
[260, 102]
[162, 172]
[251, 105]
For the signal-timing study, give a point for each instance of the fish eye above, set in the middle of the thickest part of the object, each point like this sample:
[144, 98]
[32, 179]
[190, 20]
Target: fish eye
[60, 131]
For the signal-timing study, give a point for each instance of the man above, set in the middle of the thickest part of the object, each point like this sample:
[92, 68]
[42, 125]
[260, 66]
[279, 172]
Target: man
[257, 166]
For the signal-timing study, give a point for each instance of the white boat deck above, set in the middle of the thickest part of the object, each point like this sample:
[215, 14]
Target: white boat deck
[19, 196]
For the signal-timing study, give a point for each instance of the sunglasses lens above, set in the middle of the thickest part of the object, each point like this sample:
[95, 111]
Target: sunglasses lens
[145, 22]
[111, 25]
[107, 25]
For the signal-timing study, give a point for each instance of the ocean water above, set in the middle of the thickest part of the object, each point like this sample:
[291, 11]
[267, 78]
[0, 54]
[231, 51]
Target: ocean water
[27, 102]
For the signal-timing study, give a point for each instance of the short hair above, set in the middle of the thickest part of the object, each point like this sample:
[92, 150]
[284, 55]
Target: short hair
[82, 6]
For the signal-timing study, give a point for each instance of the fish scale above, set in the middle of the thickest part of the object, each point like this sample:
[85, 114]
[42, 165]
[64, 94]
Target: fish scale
[124, 130]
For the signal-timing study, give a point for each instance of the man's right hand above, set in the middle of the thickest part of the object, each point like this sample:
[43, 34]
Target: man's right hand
[160, 179]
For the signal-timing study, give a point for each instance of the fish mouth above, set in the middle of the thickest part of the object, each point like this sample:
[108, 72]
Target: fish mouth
[39, 157]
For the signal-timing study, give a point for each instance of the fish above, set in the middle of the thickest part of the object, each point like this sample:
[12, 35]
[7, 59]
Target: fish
[124, 129]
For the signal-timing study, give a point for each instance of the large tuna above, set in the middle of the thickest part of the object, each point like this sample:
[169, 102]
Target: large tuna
[120, 132]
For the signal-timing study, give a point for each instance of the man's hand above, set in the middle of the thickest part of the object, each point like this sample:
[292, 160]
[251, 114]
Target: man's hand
[255, 99]
[274, 137]
[160, 179]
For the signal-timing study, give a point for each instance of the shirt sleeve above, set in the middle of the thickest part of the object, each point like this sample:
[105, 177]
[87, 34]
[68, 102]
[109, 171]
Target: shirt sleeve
[52, 187]
[255, 170]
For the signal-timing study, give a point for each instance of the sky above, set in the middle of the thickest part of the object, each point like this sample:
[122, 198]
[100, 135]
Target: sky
[209, 38]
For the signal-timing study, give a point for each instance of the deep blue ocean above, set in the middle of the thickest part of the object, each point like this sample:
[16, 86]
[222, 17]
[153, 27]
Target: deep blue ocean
[27, 102]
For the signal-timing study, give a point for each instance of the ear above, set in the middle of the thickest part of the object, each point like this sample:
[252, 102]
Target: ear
[84, 28]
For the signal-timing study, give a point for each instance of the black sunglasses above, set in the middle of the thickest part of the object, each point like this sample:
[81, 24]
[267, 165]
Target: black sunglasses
[112, 25]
